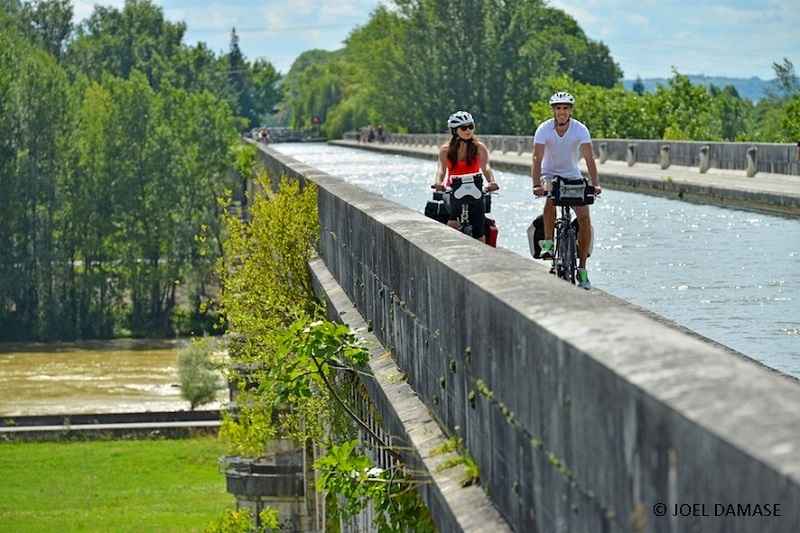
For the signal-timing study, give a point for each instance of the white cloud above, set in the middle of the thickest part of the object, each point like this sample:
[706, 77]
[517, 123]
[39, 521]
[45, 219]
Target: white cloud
[82, 9]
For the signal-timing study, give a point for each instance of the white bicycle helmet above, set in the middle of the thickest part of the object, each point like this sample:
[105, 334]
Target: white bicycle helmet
[459, 118]
[562, 98]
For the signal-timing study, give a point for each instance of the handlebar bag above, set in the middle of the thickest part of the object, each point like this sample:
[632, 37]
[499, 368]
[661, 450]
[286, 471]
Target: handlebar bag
[467, 189]
[572, 191]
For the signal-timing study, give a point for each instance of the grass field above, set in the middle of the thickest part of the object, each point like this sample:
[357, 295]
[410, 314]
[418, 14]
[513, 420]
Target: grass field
[112, 486]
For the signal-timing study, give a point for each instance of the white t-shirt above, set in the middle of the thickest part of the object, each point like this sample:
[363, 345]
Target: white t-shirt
[561, 154]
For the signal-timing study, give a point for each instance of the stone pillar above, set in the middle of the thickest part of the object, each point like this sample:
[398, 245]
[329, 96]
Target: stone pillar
[631, 154]
[603, 152]
[504, 145]
[520, 145]
[704, 159]
[665, 156]
[751, 161]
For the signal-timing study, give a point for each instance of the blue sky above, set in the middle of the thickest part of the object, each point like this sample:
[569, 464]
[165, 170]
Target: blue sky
[647, 38]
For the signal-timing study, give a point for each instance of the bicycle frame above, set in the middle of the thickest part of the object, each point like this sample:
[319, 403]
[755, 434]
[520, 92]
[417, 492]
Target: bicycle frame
[463, 221]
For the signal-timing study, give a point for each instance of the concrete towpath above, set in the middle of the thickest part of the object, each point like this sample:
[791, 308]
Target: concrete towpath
[772, 193]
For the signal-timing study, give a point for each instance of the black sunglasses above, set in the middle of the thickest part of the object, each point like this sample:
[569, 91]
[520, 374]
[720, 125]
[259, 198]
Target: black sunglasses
[467, 127]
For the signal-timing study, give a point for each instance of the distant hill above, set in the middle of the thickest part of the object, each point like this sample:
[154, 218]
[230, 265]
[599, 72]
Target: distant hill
[749, 88]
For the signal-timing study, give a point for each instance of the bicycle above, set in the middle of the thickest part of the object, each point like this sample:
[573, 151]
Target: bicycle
[470, 194]
[565, 194]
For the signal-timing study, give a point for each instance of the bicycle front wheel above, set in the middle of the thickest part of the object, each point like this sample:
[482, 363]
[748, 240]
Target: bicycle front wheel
[567, 253]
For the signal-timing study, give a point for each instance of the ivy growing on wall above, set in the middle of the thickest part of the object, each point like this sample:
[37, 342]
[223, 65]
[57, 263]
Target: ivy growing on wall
[294, 370]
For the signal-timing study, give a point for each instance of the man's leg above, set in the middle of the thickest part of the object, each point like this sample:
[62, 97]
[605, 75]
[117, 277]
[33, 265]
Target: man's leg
[549, 219]
[584, 234]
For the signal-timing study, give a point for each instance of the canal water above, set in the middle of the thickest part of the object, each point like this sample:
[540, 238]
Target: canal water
[732, 276]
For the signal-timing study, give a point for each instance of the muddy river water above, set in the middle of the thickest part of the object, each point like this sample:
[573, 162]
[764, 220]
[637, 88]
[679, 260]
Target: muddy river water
[92, 377]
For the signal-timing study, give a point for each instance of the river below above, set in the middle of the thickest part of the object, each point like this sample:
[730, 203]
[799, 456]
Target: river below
[115, 376]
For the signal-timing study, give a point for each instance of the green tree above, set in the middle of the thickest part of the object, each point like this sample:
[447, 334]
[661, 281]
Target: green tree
[50, 22]
[113, 42]
[786, 81]
[774, 115]
[37, 114]
[426, 58]
[638, 86]
[731, 110]
[266, 92]
[91, 219]
[686, 111]
[265, 287]
[241, 83]
[199, 377]
[289, 86]
[791, 119]
[608, 113]
[320, 89]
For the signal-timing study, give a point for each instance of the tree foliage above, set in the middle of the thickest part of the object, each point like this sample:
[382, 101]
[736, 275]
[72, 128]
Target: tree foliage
[265, 288]
[200, 379]
[678, 110]
[411, 65]
[416, 61]
[114, 147]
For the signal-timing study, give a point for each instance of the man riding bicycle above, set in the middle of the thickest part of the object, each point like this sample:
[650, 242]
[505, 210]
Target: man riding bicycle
[557, 146]
[464, 157]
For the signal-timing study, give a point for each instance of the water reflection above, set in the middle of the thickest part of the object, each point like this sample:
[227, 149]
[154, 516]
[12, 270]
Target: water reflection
[91, 377]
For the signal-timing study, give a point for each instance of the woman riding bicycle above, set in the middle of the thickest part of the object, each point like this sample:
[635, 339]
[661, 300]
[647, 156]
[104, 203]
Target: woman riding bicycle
[556, 146]
[464, 158]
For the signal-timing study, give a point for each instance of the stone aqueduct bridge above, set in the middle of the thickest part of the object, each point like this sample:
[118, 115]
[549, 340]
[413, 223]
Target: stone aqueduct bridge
[581, 412]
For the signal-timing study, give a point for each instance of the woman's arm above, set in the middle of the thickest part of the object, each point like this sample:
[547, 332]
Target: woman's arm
[438, 181]
[486, 167]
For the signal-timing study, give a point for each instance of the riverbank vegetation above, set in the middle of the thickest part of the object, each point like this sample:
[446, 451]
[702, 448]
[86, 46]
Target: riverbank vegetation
[121, 486]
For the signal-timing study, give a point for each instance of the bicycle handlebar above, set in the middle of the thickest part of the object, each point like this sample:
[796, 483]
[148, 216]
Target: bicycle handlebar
[550, 195]
[484, 189]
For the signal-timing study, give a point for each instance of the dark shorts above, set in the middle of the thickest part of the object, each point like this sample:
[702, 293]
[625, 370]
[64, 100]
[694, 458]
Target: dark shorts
[477, 215]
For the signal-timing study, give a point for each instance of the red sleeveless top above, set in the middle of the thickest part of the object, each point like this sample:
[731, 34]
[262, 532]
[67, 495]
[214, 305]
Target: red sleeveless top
[462, 168]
